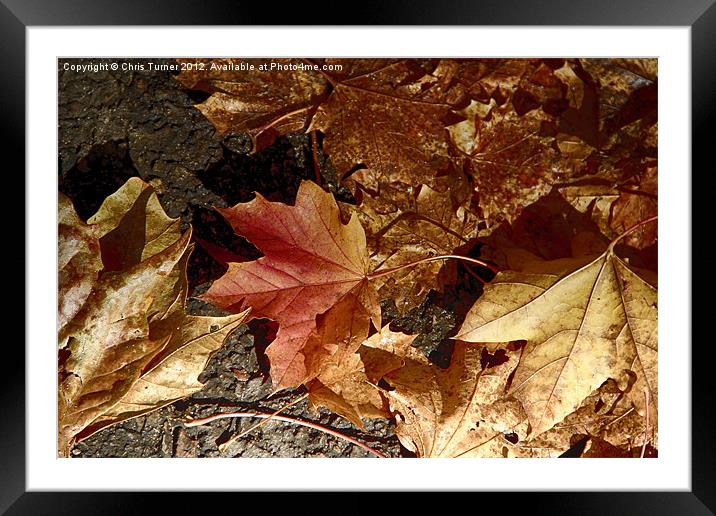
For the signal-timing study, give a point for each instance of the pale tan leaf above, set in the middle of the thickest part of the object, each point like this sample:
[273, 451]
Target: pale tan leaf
[132, 226]
[175, 376]
[574, 323]
[458, 412]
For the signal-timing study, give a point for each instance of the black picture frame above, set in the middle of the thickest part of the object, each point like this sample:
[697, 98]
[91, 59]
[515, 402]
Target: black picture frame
[700, 15]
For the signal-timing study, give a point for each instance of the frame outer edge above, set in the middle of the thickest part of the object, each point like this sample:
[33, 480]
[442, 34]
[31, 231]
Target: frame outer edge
[703, 91]
[701, 14]
[12, 144]
[401, 12]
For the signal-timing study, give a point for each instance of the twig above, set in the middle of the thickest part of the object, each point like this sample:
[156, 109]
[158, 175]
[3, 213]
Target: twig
[646, 427]
[619, 417]
[474, 275]
[203, 421]
[630, 230]
[238, 436]
[379, 273]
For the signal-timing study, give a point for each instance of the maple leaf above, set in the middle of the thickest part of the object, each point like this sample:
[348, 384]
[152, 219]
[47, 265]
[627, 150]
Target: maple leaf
[311, 262]
[403, 229]
[78, 262]
[510, 158]
[464, 411]
[335, 370]
[390, 119]
[458, 412]
[583, 324]
[263, 103]
[387, 114]
[130, 348]
[347, 382]
[637, 201]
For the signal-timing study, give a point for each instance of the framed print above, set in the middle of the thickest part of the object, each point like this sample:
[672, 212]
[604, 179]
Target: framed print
[343, 242]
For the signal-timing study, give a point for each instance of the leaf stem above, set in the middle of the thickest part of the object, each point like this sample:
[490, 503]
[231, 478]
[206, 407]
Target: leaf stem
[379, 273]
[646, 427]
[238, 436]
[308, 424]
[630, 230]
[619, 417]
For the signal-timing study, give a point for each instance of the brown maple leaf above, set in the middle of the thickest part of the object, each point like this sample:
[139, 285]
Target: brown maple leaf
[583, 324]
[637, 201]
[510, 158]
[263, 103]
[405, 227]
[311, 262]
[390, 119]
[347, 382]
[386, 114]
[130, 347]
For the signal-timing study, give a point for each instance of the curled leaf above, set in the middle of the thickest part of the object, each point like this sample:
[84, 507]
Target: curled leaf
[131, 348]
[264, 103]
[78, 262]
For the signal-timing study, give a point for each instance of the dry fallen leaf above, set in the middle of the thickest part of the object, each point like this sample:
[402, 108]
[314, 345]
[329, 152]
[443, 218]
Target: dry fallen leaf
[347, 382]
[130, 348]
[263, 103]
[390, 118]
[312, 261]
[510, 158]
[79, 262]
[583, 324]
[463, 411]
[637, 201]
[404, 229]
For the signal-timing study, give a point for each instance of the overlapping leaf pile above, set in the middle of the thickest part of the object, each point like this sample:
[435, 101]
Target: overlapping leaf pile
[544, 161]
[126, 344]
[537, 165]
